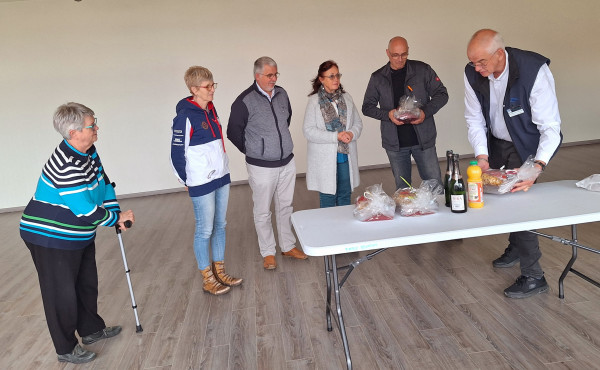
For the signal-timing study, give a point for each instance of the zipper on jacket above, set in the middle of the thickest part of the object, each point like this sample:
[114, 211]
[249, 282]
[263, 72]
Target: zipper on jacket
[277, 126]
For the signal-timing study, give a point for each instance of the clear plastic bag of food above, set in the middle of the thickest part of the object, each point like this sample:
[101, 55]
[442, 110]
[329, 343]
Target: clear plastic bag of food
[374, 205]
[418, 201]
[590, 183]
[493, 179]
[502, 181]
[409, 109]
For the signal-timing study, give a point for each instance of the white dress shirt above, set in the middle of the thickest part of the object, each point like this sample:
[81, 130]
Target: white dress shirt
[264, 92]
[544, 113]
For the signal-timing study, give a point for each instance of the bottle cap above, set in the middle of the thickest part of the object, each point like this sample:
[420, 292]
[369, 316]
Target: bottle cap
[473, 163]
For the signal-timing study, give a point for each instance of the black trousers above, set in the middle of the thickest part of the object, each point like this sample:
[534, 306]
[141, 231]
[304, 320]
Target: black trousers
[69, 284]
[525, 244]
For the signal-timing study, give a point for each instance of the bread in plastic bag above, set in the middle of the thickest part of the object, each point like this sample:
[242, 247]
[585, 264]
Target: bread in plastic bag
[492, 179]
[374, 205]
[418, 201]
[408, 109]
[590, 183]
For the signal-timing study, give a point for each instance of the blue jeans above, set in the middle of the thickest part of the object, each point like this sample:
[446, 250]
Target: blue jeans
[343, 190]
[210, 211]
[426, 160]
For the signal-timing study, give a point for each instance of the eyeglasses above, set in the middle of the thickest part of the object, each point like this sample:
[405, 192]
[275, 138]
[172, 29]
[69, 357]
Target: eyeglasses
[482, 62]
[402, 56]
[209, 86]
[93, 125]
[333, 77]
[271, 75]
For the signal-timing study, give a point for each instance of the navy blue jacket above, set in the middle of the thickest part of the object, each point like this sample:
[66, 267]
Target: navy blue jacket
[523, 68]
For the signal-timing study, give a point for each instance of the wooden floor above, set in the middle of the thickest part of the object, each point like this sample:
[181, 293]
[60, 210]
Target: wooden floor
[428, 306]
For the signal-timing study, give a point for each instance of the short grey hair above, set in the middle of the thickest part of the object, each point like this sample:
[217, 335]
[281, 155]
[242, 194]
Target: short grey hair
[260, 63]
[70, 116]
[496, 43]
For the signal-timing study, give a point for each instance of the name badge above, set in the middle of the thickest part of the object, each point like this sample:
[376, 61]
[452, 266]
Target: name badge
[515, 111]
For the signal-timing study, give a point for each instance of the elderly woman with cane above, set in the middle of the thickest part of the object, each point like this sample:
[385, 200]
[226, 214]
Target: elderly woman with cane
[201, 164]
[73, 197]
[331, 126]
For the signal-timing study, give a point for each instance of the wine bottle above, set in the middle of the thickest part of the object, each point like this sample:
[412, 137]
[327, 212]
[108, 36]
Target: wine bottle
[458, 191]
[448, 176]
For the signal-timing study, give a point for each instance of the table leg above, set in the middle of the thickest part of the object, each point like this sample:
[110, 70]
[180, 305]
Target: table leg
[328, 280]
[561, 286]
[338, 304]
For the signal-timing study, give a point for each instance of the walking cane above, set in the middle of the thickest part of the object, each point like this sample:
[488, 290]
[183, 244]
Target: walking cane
[128, 224]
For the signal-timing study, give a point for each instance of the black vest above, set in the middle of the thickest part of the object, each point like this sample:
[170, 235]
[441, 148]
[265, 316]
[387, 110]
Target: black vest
[523, 68]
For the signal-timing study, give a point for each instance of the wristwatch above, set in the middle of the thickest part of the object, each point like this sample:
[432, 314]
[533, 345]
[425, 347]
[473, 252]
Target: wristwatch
[541, 164]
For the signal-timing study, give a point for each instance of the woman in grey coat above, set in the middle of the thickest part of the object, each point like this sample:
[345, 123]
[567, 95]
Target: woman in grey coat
[331, 126]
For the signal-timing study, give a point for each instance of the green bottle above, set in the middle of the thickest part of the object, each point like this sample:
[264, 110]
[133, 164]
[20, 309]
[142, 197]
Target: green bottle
[448, 176]
[458, 191]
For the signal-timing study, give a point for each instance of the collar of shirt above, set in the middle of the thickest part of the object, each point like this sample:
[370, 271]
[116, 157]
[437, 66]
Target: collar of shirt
[504, 74]
[264, 92]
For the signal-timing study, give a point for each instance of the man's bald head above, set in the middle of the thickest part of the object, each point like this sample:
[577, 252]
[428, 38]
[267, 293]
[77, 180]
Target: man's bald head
[397, 52]
[398, 40]
[486, 39]
[486, 52]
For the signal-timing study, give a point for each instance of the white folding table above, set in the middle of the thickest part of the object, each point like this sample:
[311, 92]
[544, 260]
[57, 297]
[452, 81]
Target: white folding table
[331, 231]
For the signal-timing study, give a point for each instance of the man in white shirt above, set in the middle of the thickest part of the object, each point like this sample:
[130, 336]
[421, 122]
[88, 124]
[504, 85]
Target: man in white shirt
[512, 112]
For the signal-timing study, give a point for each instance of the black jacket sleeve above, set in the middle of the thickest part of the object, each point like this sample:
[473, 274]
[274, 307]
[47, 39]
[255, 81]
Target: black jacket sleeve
[371, 101]
[437, 92]
[236, 127]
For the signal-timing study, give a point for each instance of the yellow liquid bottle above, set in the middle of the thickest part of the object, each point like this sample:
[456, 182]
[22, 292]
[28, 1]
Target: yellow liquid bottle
[474, 185]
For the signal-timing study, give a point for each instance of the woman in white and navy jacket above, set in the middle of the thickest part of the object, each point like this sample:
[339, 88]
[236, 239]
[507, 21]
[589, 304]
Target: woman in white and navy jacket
[201, 164]
[331, 126]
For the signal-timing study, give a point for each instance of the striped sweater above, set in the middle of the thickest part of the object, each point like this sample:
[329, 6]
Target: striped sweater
[73, 197]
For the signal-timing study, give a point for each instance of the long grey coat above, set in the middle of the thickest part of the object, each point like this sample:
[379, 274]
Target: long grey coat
[322, 147]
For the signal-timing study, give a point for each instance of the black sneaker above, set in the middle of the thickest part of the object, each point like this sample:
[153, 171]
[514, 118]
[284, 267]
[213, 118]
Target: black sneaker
[107, 332]
[526, 286]
[78, 355]
[509, 258]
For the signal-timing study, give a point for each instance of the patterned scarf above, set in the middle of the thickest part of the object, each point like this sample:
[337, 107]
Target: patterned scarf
[334, 121]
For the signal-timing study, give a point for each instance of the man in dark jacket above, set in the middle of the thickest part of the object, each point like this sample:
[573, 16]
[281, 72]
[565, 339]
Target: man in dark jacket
[259, 128]
[401, 139]
[512, 113]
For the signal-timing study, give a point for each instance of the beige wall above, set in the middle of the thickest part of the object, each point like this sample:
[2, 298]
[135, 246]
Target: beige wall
[126, 59]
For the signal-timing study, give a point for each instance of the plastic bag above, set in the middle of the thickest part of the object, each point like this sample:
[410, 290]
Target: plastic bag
[527, 172]
[374, 205]
[418, 201]
[590, 183]
[492, 179]
[408, 109]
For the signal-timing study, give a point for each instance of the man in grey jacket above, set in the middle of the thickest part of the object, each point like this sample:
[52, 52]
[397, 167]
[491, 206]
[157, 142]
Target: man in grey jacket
[402, 139]
[259, 128]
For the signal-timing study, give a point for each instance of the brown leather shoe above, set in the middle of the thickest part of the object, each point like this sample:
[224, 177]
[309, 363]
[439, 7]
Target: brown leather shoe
[295, 253]
[269, 263]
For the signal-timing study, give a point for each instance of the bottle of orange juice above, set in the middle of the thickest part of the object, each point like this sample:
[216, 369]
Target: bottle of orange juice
[474, 185]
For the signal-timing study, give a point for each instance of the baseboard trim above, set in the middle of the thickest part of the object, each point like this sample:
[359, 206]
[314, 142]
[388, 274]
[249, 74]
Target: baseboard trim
[244, 182]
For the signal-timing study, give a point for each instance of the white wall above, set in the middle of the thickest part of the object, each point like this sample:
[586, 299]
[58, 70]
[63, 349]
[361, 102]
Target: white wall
[126, 59]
